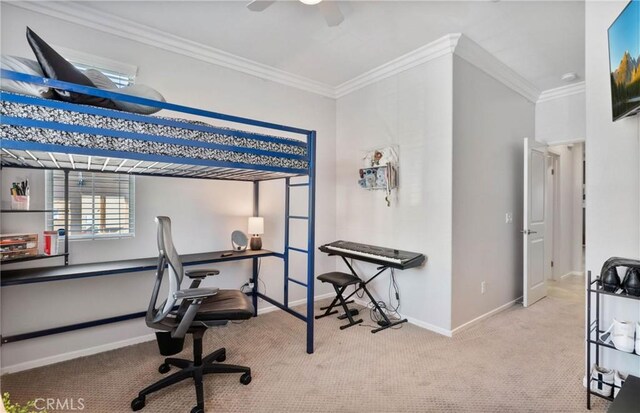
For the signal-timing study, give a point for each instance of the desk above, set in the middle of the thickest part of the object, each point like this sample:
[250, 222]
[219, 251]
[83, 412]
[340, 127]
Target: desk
[58, 273]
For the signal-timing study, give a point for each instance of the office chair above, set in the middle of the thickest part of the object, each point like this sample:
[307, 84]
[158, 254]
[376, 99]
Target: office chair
[189, 311]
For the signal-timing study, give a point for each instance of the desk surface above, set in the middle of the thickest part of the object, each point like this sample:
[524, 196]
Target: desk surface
[44, 274]
[628, 400]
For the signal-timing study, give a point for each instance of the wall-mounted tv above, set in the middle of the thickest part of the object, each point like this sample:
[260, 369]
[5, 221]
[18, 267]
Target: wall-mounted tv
[624, 61]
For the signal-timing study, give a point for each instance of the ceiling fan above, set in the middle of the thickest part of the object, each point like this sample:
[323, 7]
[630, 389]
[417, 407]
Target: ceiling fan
[329, 9]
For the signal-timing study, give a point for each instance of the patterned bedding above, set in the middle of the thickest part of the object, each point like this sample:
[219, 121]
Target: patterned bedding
[223, 136]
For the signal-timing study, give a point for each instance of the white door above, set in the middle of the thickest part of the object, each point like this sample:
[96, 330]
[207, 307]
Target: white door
[534, 287]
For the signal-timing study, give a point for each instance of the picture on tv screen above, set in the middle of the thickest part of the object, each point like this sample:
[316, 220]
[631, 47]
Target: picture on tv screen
[624, 61]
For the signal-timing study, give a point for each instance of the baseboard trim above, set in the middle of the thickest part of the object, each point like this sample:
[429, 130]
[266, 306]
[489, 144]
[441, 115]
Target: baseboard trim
[428, 326]
[485, 316]
[415, 321]
[45, 361]
[58, 358]
[570, 273]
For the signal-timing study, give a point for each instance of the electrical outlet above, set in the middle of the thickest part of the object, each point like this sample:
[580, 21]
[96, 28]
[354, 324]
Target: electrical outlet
[508, 218]
[483, 287]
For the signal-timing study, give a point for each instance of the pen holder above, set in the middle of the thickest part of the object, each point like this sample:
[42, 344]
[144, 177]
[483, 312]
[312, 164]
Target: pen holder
[20, 202]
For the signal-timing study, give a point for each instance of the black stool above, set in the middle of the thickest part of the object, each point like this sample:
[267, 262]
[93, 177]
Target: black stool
[340, 282]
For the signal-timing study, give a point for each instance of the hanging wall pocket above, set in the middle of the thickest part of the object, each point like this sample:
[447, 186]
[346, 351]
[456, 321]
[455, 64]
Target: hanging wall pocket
[380, 171]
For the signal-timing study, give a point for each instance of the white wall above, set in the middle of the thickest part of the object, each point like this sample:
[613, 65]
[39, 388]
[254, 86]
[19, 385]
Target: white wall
[412, 109]
[490, 122]
[577, 252]
[561, 119]
[204, 213]
[613, 173]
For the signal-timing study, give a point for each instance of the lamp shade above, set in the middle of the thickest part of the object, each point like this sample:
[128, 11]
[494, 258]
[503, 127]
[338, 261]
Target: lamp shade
[256, 225]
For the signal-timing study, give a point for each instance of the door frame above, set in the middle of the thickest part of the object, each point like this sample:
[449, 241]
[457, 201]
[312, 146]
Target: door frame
[552, 210]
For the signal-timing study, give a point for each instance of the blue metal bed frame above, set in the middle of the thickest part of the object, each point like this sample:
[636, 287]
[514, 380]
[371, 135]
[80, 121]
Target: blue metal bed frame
[209, 169]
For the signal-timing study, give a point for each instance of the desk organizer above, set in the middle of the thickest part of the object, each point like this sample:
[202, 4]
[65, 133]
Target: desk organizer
[14, 246]
[20, 202]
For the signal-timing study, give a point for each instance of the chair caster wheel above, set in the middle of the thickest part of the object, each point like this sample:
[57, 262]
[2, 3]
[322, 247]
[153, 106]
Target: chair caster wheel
[137, 403]
[245, 378]
[222, 357]
[197, 409]
[164, 368]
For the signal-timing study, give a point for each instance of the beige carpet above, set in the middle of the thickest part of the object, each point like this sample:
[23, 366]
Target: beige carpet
[521, 360]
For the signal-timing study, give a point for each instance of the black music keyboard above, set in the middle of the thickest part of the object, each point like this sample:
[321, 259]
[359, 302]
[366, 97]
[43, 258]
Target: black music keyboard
[377, 255]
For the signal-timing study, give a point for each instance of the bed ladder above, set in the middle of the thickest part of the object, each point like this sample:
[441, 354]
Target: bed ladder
[309, 283]
[309, 251]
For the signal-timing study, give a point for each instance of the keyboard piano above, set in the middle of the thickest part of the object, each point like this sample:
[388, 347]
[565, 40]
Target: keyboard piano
[388, 257]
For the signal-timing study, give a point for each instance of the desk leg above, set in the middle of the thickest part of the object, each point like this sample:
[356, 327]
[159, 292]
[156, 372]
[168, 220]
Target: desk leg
[254, 292]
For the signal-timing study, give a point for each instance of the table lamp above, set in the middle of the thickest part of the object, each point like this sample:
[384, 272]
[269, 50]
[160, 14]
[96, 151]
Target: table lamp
[256, 228]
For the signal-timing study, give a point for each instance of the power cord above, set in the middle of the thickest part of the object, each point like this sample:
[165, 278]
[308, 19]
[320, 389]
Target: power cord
[391, 310]
[247, 284]
[393, 283]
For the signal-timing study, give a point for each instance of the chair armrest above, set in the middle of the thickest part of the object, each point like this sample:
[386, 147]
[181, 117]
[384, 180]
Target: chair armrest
[193, 293]
[202, 273]
[194, 297]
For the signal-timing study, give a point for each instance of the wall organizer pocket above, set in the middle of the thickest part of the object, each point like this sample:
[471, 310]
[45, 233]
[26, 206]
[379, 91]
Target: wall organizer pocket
[380, 171]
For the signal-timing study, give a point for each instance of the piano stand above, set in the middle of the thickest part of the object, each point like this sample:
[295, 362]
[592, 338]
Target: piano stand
[386, 322]
[395, 323]
[340, 282]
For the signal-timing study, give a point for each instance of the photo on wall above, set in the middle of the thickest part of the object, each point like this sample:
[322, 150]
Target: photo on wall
[624, 61]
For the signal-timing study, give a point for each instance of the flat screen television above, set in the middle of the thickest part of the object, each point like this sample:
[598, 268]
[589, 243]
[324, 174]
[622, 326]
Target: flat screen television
[624, 61]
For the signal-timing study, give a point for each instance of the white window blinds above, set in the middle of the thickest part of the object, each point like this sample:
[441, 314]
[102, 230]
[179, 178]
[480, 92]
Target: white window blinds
[101, 205]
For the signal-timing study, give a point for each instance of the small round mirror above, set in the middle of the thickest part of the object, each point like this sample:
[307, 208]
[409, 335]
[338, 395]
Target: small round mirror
[239, 240]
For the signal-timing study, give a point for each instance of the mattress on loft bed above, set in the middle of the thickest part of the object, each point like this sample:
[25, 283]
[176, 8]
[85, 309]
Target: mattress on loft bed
[57, 137]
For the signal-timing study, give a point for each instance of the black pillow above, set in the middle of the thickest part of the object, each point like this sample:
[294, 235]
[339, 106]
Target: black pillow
[57, 67]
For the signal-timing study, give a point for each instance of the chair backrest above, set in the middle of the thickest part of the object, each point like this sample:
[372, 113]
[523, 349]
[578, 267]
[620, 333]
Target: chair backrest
[159, 316]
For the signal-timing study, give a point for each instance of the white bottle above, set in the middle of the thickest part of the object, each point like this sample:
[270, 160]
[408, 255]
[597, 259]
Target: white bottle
[60, 242]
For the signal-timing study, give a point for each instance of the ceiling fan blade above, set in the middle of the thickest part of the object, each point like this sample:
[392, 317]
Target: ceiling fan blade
[331, 12]
[259, 5]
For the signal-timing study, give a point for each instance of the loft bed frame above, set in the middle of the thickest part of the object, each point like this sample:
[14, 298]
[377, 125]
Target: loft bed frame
[224, 154]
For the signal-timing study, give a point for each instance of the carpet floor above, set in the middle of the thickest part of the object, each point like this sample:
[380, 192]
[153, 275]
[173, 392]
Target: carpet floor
[520, 360]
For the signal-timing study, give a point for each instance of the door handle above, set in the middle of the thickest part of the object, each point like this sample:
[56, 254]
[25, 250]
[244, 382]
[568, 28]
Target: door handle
[528, 231]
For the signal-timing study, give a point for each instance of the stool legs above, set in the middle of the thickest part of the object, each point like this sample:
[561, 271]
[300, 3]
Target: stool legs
[347, 312]
[329, 308]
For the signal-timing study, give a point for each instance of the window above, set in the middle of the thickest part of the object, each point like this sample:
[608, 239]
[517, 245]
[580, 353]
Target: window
[101, 205]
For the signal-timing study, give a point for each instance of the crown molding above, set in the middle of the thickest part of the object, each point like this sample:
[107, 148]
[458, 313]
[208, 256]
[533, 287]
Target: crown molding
[108, 23]
[441, 47]
[561, 92]
[473, 53]
[455, 43]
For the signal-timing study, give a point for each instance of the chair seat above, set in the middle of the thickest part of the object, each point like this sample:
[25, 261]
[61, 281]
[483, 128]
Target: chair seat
[340, 279]
[225, 305]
